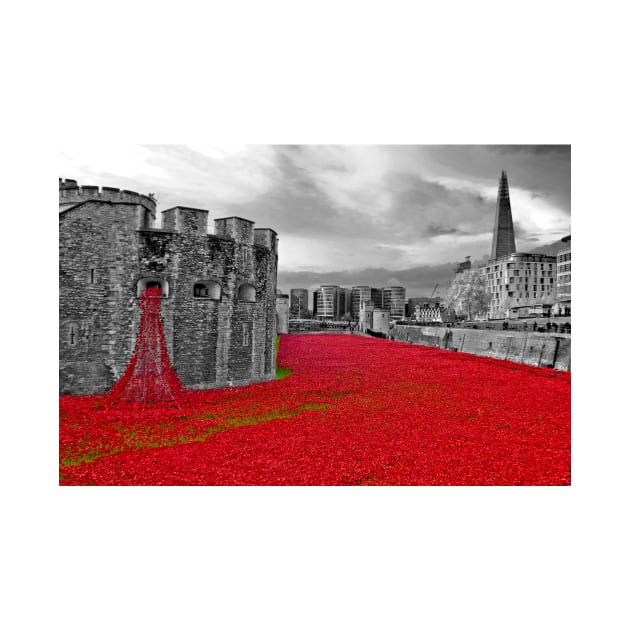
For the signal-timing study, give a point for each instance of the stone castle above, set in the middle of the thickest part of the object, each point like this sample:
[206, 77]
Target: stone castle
[218, 290]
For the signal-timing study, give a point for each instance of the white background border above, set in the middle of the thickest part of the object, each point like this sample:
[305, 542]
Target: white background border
[342, 72]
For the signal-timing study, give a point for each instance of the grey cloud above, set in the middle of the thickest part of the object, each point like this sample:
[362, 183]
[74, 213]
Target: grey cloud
[523, 236]
[561, 150]
[295, 204]
[423, 208]
[540, 169]
[437, 230]
[519, 231]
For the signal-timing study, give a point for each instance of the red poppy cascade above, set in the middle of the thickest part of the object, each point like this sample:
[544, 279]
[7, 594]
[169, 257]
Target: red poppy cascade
[149, 377]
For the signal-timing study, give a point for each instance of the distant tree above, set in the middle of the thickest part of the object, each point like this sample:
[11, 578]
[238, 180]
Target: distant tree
[467, 294]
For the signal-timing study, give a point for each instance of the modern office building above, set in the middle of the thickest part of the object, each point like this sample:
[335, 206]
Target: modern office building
[519, 280]
[299, 303]
[332, 302]
[326, 302]
[394, 302]
[342, 310]
[377, 297]
[563, 289]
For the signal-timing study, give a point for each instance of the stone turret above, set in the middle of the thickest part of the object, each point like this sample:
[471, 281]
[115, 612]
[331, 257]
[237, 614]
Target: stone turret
[71, 193]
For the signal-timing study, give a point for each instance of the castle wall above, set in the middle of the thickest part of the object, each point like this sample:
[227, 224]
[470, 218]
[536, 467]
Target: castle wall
[97, 255]
[212, 341]
[266, 261]
[538, 349]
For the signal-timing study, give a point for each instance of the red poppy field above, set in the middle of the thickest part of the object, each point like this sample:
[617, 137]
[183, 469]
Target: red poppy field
[353, 410]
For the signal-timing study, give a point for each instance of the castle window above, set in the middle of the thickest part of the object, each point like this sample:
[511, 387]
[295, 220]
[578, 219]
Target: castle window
[92, 273]
[207, 289]
[246, 335]
[247, 256]
[72, 334]
[247, 293]
[152, 283]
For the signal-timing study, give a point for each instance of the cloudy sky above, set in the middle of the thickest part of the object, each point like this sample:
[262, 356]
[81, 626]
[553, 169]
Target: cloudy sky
[349, 215]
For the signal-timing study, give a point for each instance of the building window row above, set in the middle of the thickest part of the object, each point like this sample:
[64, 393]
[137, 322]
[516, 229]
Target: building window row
[202, 289]
[531, 266]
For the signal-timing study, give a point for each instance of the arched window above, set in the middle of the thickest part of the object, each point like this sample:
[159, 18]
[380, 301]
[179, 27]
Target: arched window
[207, 289]
[153, 283]
[247, 293]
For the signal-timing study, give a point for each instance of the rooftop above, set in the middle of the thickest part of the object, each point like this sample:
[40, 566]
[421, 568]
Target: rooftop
[546, 257]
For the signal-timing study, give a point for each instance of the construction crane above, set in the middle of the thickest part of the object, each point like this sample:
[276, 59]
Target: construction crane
[434, 288]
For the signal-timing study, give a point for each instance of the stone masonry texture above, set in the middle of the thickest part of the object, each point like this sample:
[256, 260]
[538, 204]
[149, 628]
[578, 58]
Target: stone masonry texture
[538, 349]
[108, 248]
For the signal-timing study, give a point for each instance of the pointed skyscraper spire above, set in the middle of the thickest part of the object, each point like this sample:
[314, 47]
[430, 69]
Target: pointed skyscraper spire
[503, 237]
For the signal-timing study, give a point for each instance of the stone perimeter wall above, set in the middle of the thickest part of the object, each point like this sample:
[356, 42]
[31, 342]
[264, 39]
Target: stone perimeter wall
[537, 349]
[105, 250]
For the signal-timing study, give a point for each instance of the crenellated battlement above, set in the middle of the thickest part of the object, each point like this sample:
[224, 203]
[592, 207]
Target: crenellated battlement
[70, 191]
[184, 219]
[179, 219]
[266, 237]
[236, 228]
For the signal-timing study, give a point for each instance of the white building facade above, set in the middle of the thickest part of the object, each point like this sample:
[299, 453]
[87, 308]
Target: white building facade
[394, 302]
[564, 272]
[519, 280]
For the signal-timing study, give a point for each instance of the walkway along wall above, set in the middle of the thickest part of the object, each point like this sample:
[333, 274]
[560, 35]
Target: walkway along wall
[538, 349]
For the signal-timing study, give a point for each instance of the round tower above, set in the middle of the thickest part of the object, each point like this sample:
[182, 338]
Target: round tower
[71, 192]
